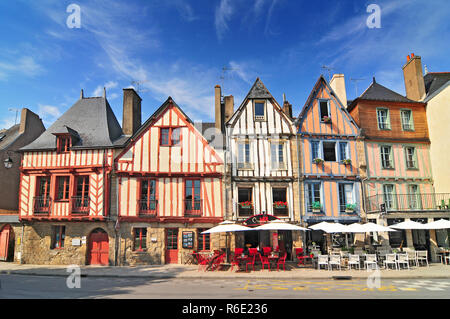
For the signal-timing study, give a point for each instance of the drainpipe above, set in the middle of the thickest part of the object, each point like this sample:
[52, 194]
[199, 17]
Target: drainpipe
[21, 244]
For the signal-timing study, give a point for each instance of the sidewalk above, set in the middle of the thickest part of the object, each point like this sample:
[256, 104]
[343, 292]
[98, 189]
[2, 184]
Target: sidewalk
[191, 272]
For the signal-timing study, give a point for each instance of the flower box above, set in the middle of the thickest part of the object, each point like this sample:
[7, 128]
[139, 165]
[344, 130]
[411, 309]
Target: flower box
[316, 207]
[347, 161]
[350, 208]
[246, 205]
[280, 205]
[326, 119]
[318, 161]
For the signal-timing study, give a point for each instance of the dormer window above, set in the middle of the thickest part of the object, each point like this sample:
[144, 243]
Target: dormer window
[324, 110]
[63, 144]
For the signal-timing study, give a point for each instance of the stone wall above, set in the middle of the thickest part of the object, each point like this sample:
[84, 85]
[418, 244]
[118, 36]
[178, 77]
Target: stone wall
[38, 237]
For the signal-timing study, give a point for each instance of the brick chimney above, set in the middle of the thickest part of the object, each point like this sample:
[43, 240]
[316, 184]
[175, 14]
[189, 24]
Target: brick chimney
[131, 111]
[337, 83]
[413, 77]
[287, 109]
[229, 108]
[218, 107]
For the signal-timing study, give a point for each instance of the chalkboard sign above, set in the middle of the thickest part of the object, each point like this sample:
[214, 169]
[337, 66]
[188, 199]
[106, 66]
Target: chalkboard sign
[188, 239]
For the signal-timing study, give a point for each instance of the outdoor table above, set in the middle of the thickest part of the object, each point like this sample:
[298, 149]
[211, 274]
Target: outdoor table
[444, 253]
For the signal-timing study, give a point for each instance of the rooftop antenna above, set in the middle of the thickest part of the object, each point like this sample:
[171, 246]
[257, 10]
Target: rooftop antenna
[356, 85]
[17, 112]
[137, 85]
[224, 70]
[328, 69]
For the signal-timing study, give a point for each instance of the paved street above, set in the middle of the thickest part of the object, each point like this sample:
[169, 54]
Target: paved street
[19, 286]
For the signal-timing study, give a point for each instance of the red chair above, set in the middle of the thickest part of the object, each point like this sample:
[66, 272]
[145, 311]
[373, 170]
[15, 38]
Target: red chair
[252, 251]
[267, 250]
[282, 261]
[299, 253]
[217, 262]
[235, 261]
[264, 261]
[202, 261]
[238, 251]
[251, 262]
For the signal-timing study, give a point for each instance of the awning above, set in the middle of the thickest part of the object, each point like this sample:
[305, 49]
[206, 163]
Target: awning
[9, 219]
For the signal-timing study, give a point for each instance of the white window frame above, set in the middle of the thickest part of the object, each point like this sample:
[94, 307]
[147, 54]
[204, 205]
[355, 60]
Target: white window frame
[259, 117]
[391, 156]
[388, 118]
[320, 109]
[353, 193]
[279, 165]
[411, 120]
[414, 157]
[245, 165]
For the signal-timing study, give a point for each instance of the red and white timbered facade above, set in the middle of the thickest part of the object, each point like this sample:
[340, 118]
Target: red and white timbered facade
[169, 173]
[65, 184]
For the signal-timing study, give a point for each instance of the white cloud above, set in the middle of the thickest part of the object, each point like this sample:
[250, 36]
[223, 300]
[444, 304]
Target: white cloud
[109, 85]
[223, 13]
[48, 113]
[25, 65]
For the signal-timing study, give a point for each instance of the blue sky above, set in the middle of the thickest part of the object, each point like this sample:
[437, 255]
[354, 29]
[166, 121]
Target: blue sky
[179, 47]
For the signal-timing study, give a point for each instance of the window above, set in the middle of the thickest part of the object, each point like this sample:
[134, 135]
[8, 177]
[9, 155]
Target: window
[244, 155]
[343, 151]
[280, 205]
[147, 200]
[384, 122]
[396, 238]
[259, 110]
[329, 151]
[192, 199]
[315, 149]
[277, 155]
[410, 153]
[62, 188]
[44, 187]
[63, 144]
[140, 239]
[414, 197]
[345, 196]
[324, 111]
[245, 201]
[172, 238]
[203, 240]
[388, 194]
[407, 120]
[313, 195]
[170, 136]
[58, 236]
[81, 200]
[386, 156]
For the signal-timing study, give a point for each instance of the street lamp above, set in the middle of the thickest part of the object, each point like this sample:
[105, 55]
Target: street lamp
[8, 162]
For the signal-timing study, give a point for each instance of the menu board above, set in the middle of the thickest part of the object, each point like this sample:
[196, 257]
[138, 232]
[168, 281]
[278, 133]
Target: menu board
[188, 239]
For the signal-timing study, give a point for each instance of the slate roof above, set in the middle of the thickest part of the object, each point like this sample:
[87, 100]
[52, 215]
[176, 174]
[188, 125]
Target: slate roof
[378, 92]
[92, 119]
[7, 136]
[434, 81]
[259, 91]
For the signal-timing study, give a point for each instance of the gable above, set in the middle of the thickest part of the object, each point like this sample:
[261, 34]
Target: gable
[311, 122]
[144, 154]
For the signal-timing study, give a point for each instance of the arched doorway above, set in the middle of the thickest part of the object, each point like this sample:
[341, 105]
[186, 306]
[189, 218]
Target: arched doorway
[7, 243]
[98, 248]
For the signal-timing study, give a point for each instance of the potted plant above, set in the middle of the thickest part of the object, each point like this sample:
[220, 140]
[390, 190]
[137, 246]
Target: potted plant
[347, 161]
[280, 204]
[350, 208]
[316, 207]
[246, 204]
[318, 161]
[326, 119]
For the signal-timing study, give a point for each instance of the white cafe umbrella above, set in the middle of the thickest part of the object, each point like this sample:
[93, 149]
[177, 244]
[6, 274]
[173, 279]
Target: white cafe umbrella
[409, 224]
[438, 224]
[372, 227]
[330, 227]
[279, 225]
[226, 226]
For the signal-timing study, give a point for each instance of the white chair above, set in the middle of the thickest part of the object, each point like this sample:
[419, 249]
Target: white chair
[447, 260]
[422, 255]
[371, 259]
[354, 260]
[390, 260]
[412, 256]
[322, 260]
[402, 259]
[335, 260]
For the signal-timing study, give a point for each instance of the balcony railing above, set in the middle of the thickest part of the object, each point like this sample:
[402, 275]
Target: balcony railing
[280, 211]
[148, 207]
[409, 202]
[80, 205]
[42, 205]
[193, 207]
[245, 211]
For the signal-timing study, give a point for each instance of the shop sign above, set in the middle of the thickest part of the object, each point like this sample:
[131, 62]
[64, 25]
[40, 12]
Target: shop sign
[257, 220]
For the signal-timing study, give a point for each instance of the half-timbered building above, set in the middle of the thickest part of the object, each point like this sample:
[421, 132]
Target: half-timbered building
[260, 138]
[65, 186]
[169, 190]
[328, 160]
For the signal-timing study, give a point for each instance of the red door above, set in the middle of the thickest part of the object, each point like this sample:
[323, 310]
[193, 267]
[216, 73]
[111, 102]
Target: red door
[4, 242]
[172, 246]
[98, 248]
